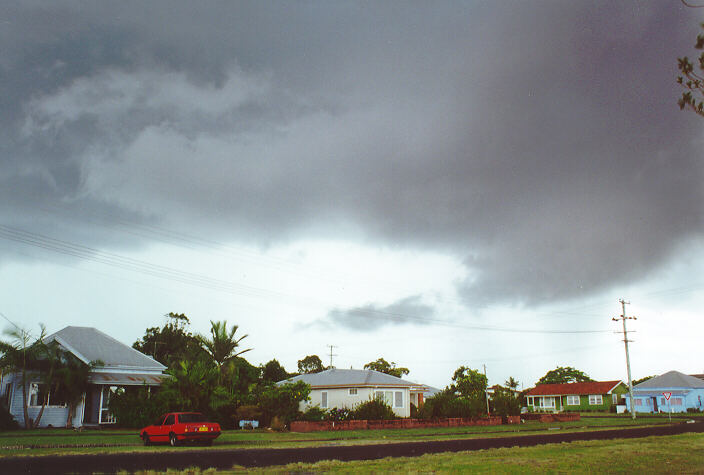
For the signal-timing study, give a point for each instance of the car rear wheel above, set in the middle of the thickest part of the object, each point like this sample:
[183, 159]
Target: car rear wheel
[173, 440]
[145, 439]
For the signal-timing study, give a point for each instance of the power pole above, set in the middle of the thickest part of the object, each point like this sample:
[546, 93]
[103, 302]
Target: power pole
[331, 354]
[623, 319]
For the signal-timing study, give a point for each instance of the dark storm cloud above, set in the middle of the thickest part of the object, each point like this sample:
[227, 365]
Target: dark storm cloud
[537, 141]
[371, 317]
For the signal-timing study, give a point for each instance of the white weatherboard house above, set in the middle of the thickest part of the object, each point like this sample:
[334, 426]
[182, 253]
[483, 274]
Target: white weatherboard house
[122, 366]
[669, 392]
[350, 387]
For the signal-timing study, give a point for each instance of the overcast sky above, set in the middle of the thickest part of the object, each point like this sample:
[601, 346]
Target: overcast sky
[439, 184]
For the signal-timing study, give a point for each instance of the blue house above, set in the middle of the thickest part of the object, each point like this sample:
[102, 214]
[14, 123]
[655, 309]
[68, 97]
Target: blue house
[669, 392]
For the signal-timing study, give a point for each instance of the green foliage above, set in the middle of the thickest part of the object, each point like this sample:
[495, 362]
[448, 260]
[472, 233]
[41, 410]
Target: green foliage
[310, 364]
[222, 344]
[505, 402]
[137, 407]
[468, 382]
[191, 385]
[7, 422]
[339, 414]
[282, 401]
[642, 380]
[447, 403]
[385, 367]
[273, 372]
[172, 343]
[561, 375]
[248, 412]
[313, 414]
[691, 81]
[374, 409]
[21, 355]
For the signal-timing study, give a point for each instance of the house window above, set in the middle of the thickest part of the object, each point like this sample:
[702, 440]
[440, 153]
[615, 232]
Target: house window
[324, 399]
[353, 391]
[398, 399]
[391, 398]
[547, 402]
[595, 400]
[530, 400]
[614, 398]
[676, 401]
[37, 394]
[573, 400]
[638, 402]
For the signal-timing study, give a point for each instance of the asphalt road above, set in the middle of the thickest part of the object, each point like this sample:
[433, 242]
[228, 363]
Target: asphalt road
[225, 459]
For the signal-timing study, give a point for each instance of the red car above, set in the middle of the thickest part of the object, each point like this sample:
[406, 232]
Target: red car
[178, 427]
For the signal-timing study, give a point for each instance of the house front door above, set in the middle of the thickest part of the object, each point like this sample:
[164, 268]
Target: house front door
[655, 404]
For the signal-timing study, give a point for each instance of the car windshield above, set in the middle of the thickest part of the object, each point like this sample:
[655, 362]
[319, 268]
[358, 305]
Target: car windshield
[191, 417]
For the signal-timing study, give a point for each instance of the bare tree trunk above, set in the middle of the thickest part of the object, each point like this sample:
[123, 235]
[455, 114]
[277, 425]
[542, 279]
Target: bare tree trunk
[41, 411]
[27, 424]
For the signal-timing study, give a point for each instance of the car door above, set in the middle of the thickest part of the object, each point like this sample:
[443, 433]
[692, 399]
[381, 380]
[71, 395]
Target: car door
[165, 427]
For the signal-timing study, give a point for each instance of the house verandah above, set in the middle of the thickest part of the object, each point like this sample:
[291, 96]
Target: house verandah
[586, 396]
[121, 367]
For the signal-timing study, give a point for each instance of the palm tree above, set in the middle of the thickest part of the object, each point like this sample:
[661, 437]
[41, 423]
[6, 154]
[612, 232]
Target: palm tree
[222, 344]
[19, 356]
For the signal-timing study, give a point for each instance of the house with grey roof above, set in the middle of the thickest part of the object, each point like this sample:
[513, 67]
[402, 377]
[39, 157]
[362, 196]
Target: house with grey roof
[669, 392]
[350, 387]
[120, 366]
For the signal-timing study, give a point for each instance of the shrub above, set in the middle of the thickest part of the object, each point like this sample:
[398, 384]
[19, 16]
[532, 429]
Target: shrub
[448, 404]
[506, 404]
[283, 401]
[374, 409]
[7, 422]
[693, 410]
[341, 414]
[313, 414]
[138, 406]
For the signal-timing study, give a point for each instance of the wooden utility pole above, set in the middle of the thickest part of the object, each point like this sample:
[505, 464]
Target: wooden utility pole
[623, 319]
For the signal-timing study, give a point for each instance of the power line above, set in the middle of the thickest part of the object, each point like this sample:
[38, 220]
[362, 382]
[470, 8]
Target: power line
[164, 272]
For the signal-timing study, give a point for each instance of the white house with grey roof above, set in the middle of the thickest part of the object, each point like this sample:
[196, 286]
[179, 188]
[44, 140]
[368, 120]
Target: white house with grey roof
[121, 366]
[669, 392]
[350, 387]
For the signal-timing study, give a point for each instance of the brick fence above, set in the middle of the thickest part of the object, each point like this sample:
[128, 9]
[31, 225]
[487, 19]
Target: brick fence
[305, 426]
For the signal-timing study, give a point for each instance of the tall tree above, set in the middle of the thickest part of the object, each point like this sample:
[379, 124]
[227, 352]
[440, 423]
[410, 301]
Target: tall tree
[561, 375]
[469, 382]
[273, 372]
[222, 344]
[692, 80]
[310, 364]
[511, 383]
[384, 366]
[172, 343]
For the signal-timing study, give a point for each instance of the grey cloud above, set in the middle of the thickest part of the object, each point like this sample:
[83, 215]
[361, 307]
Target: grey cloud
[370, 317]
[538, 141]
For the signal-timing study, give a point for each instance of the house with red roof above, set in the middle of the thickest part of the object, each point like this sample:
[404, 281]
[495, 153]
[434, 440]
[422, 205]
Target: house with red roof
[575, 397]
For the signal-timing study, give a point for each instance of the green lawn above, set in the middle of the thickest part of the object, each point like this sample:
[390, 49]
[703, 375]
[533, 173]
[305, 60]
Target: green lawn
[62, 441]
[667, 454]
